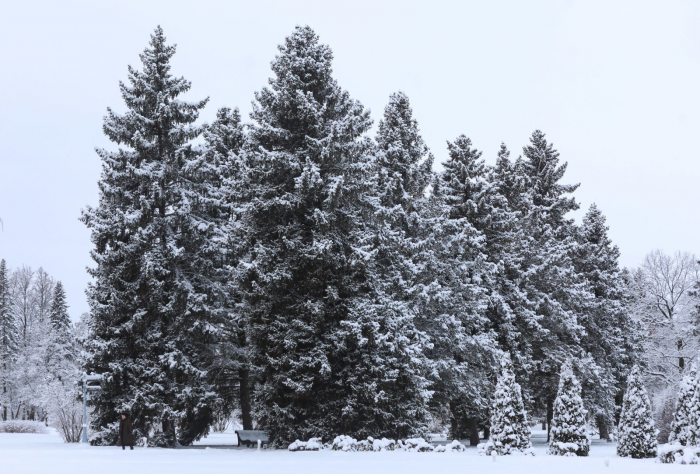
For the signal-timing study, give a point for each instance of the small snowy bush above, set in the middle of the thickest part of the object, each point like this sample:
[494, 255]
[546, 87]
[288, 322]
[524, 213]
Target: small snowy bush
[418, 445]
[678, 454]
[490, 447]
[453, 447]
[314, 444]
[344, 443]
[385, 445]
[22, 426]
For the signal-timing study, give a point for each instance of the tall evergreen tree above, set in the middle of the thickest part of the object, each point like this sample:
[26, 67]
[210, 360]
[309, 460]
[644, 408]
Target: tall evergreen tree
[685, 419]
[60, 320]
[465, 275]
[403, 173]
[156, 303]
[555, 291]
[511, 313]
[569, 421]
[8, 337]
[637, 435]
[327, 361]
[222, 158]
[509, 427]
[611, 338]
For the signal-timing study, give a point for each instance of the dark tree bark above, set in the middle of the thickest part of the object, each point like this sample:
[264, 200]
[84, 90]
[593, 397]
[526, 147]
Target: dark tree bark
[245, 399]
[169, 433]
[550, 416]
[603, 427]
[473, 431]
[454, 422]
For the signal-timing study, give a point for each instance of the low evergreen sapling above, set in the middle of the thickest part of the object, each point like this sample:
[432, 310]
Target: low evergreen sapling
[637, 435]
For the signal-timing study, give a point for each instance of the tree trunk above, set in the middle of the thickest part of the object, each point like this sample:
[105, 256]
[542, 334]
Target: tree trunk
[550, 416]
[169, 432]
[454, 424]
[487, 432]
[245, 399]
[602, 427]
[473, 432]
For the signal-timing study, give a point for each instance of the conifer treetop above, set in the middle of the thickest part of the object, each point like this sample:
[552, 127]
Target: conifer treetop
[151, 97]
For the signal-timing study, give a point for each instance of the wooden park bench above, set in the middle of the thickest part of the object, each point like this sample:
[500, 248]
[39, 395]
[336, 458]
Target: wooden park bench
[250, 438]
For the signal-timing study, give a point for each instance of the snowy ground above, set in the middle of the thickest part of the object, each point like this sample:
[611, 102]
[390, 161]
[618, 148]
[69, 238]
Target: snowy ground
[42, 454]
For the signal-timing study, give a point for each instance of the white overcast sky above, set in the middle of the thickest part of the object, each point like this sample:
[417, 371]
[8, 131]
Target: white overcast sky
[614, 85]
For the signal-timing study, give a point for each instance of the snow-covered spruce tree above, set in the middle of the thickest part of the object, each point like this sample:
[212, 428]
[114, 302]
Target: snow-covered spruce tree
[60, 320]
[466, 363]
[686, 417]
[330, 360]
[511, 312]
[224, 140]
[159, 292]
[509, 427]
[569, 431]
[8, 339]
[611, 337]
[554, 291]
[402, 171]
[60, 348]
[636, 432]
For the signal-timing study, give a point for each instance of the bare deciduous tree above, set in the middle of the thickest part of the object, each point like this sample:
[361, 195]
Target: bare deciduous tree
[665, 302]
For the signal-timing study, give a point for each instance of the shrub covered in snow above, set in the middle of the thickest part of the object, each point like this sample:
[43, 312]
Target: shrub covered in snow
[384, 444]
[685, 417]
[453, 447]
[344, 443]
[637, 435]
[509, 428]
[314, 444]
[22, 426]
[418, 445]
[678, 454]
[569, 432]
[490, 448]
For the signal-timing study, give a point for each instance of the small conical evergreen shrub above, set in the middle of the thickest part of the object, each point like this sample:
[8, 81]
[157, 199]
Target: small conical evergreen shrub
[686, 416]
[509, 429]
[637, 435]
[569, 423]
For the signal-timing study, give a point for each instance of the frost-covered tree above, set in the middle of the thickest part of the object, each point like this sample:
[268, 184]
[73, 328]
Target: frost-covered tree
[402, 174]
[611, 341]
[158, 300]
[222, 159]
[663, 302]
[60, 350]
[555, 291]
[569, 430]
[60, 320]
[330, 360]
[509, 426]
[8, 339]
[463, 209]
[686, 418]
[636, 432]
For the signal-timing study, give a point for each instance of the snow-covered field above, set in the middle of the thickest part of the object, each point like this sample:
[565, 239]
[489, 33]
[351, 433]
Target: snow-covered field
[42, 454]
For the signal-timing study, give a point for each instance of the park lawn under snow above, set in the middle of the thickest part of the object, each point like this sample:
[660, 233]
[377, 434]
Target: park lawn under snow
[46, 453]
